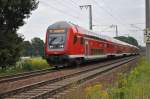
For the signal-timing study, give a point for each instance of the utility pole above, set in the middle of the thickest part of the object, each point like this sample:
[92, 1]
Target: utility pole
[116, 29]
[147, 3]
[90, 14]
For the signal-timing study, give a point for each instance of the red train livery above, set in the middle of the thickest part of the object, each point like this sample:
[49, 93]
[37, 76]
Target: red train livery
[68, 43]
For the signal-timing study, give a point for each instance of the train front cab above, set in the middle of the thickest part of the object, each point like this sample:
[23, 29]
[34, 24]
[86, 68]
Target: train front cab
[64, 46]
[55, 47]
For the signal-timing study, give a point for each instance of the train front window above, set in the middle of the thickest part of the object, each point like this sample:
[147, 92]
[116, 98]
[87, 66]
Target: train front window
[56, 41]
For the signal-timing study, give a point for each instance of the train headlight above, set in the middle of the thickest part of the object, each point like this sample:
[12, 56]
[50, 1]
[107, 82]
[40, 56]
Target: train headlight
[50, 46]
[61, 46]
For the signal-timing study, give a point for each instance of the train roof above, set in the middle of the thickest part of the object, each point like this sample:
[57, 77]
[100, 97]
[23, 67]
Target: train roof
[60, 24]
[64, 24]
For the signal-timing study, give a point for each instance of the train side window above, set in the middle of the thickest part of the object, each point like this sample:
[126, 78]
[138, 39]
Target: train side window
[108, 45]
[82, 41]
[75, 39]
[105, 45]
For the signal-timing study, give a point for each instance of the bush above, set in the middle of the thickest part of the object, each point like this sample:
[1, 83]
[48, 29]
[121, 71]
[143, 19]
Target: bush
[27, 66]
[39, 63]
[35, 64]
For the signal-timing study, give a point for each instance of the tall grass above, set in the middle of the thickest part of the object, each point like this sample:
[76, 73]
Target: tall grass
[35, 64]
[135, 85]
[27, 65]
[96, 92]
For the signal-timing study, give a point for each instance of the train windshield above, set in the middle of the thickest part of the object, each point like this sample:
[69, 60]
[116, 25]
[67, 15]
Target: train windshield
[56, 41]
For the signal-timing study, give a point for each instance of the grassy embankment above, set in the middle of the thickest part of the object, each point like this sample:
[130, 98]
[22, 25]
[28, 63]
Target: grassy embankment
[36, 63]
[135, 85]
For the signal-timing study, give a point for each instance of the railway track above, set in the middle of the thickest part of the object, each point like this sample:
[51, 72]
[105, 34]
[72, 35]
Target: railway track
[51, 87]
[19, 76]
[25, 75]
[9, 78]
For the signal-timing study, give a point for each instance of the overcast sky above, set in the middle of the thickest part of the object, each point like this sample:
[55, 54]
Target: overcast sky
[129, 15]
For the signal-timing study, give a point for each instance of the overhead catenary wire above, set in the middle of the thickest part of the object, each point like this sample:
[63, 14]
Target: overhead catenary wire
[113, 17]
[76, 5]
[72, 10]
[108, 12]
[67, 6]
[76, 14]
[59, 10]
[74, 2]
[63, 12]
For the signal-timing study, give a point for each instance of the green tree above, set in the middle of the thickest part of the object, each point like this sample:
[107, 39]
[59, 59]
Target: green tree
[37, 46]
[128, 39]
[132, 41]
[10, 49]
[27, 48]
[12, 15]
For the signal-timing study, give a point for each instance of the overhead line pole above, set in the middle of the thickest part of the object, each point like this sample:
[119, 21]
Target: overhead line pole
[147, 3]
[90, 15]
[116, 29]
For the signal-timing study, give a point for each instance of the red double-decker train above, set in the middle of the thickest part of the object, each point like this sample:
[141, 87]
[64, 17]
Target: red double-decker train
[67, 43]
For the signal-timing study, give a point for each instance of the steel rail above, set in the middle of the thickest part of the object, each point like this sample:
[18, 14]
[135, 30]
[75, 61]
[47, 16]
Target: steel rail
[25, 75]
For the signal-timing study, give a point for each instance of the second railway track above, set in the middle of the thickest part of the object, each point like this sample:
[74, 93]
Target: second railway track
[9, 78]
[50, 87]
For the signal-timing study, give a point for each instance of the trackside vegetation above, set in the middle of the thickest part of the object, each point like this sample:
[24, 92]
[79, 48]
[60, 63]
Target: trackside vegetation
[27, 65]
[134, 85]
[129, 40]
[12, 16]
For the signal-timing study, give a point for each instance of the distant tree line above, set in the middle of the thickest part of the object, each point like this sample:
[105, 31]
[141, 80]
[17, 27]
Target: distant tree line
[132, 41]
[33, 48]
[129, 39]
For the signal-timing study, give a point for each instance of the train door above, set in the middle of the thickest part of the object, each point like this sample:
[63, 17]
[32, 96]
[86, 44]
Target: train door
[86, 49]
